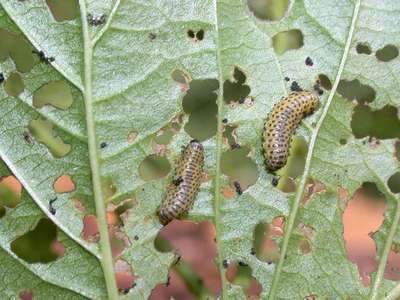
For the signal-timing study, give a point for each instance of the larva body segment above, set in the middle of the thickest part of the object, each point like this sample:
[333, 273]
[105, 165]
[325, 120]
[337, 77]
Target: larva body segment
[181, 195]
[281, 124]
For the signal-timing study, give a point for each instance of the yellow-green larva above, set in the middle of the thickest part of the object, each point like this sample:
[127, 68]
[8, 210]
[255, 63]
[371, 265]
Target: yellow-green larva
[282, 122]
[182, 193]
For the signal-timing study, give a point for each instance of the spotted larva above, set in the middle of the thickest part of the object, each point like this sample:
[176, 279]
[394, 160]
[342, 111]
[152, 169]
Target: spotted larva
[182, 193]
[282, 122]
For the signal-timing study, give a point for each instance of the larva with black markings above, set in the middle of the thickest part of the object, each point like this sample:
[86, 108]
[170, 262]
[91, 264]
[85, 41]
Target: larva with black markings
[281, 124]
[182, 193]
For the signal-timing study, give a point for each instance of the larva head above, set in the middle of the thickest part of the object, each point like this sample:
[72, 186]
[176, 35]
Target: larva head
[195, 145]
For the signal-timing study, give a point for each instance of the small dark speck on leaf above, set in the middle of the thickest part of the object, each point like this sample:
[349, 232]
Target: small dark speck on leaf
[200, 34]
[287, 78]
[241, 100]
[309, 61]
[253, 251]
[1, 77]
[52, 210]
[27, 137]
[96, 20]
[225, 121]
[242, 264]
[225, 263]
[295, 87]
[191, 34]
[238, 188]
[152, 36]
[136, 237]
[275, 181]
[103, 145]
[235, 146]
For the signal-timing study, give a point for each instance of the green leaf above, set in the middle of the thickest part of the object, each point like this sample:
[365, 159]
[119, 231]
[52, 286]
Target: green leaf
[130, 81]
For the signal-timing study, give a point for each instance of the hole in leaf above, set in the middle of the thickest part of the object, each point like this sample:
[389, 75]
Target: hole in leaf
[354, 90]
[241, 274]
[18, 48]
[43, 132]
[124, 276]
[294, 166]
[236, 90]
[63, 10]
[239, 167]
[14, 85]
[265, 240]
[39, 245]
[182, 79]
[64, 184]
[229, 134]
[154, 167]
[272, 10]
[394, 183]
[342, 141]
[10, 191]
[324, 81]
[382, 124]
[200, 103]
[397, 150]
[117, 214]
[55, 93]
[25, 295]
[363, 215]
[287, 40]
[363, 48]
[196, 246]
[164, 136]
[387, 53]
[90, 231]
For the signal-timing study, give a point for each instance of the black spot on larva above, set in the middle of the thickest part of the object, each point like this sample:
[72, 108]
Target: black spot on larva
[309, 62]
[324, 81]
[236, 90]
[1, 77]
[363, 48]
[180, 198]
[277, 138]
[382, 123]
[287, 40]
[354, 90]
[295, 87]
[387, 53]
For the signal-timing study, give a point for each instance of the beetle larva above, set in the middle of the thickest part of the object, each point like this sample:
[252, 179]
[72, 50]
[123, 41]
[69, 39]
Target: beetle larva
[181, 195]
[282, 122]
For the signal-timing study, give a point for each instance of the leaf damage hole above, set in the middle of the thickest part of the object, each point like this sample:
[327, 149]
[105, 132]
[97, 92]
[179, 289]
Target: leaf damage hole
[10, 191]
[271, 10]
[43, 132]
[236, 90]
[154, 167]
[62, 10]
[239, 167]
[229, 135]
[182, 78]
[387, 53]
[363, 48]
[200, 104]
[325, 82]
[39, 245]
[239, 273]
[355, 90]
[14, 85]
[287, 40]
[294, 166]
[194, 243]
[55, 93]
[381, 124]
[362, 217]
[266, 239]
[124, 276]
[394, 183]
[64, 184]
[118, 214]
[313, 187]
[90, 231]
[18, 48]
[26, 294]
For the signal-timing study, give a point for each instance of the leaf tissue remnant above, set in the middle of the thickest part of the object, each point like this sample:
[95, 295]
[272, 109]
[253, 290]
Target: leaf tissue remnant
[200, 104]
[287, 40]
[236, 90]
[43, 132]
[55, 93]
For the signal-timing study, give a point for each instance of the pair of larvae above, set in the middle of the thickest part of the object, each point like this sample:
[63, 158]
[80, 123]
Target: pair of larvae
[279, 128]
